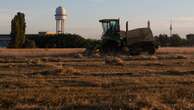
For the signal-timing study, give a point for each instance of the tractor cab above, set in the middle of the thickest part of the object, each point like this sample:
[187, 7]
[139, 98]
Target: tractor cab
[110, 26]
[111, 34]
[111, 29]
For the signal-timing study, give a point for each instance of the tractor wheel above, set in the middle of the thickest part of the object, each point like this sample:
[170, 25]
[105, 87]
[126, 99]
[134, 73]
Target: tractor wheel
[151, 51]
[110, 47]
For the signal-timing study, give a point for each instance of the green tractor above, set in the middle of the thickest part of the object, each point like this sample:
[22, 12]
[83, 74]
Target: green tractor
[136, 41]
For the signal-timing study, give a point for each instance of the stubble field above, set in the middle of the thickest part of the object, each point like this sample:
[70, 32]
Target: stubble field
[164, 81]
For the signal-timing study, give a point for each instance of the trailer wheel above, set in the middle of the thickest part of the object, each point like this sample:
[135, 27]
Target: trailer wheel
[134, 52]
[151, 51]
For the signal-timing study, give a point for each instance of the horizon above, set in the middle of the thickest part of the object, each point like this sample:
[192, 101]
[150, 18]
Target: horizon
[83, 16]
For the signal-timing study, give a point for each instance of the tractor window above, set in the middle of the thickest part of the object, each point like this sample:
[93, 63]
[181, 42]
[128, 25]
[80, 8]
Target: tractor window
[105, 26]
[111, 26]
[114, 26]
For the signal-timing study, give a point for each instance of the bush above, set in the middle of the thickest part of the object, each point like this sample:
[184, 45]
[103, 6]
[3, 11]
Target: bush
[173, 41]
[29, 44]
[63, 41]
[93, 46]
[60, 41]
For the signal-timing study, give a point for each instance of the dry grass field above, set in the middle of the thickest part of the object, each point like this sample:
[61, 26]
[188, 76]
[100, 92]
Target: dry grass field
[183, 50]
[65, 82]
[39, 52]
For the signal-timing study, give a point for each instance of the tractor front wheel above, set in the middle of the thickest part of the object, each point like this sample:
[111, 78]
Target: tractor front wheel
[110, 46]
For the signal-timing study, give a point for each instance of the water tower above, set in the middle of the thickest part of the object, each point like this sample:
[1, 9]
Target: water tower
[60, 16]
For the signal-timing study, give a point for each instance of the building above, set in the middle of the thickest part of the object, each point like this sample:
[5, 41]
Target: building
[190, 39]
[46, 33]
[4, 40]
[60, 17]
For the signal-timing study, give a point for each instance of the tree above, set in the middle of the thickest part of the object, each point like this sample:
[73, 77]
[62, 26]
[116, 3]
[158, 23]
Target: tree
[175, 40]
[163, 40]
[18, 28]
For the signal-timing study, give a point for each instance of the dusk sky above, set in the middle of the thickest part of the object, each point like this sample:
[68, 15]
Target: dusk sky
[83, 15]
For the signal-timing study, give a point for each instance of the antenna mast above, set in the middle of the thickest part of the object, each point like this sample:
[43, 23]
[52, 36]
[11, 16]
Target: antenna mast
[171, 28]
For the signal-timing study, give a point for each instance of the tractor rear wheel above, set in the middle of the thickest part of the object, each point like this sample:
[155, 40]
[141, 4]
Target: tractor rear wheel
[134, 51]
[151, 51]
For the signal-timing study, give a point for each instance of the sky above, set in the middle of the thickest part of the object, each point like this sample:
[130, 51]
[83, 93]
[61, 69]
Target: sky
[83, 15]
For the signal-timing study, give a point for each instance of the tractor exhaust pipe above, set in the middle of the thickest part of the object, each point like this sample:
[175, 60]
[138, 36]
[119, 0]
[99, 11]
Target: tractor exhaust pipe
[127, 28]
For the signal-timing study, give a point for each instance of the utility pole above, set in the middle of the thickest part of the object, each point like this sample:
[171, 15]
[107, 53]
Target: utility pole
[171, 28]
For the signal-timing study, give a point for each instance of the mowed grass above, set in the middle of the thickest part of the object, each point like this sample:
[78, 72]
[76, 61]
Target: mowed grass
[175, 50]
[66, 52]
[39, 52]
[160, 82]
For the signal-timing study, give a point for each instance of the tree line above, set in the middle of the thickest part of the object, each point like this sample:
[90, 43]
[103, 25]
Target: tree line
[175, 40]
[63, 41]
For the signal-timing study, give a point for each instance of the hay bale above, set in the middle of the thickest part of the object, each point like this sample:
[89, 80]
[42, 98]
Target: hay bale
[61, 70]
[67, 71]
[181, 57]
[119, 61]
[114, 61]
[96, 55]
[78, 56]
[153, 57]
[71, 70]
[108, 60]
[11, 65]
[125, 50]
[35, 61]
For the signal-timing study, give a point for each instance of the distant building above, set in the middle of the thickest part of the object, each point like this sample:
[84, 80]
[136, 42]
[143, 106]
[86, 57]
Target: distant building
[4, 40]
[46, 33]
[190, 39]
